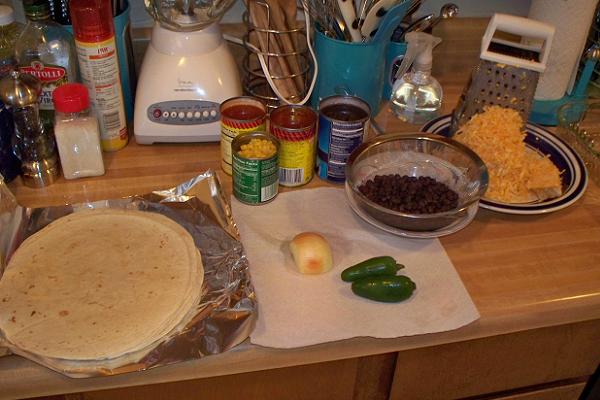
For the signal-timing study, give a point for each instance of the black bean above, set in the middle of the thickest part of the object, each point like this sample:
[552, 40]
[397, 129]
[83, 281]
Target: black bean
[422, 195]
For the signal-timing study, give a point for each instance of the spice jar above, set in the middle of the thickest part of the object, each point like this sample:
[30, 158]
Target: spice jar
[77, 132]
[33, 145]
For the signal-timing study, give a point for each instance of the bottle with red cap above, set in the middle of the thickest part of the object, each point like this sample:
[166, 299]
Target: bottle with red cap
[94, 32]
[76, 131]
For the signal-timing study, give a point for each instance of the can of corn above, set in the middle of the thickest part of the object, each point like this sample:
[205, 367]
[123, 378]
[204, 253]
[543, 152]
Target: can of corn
[295, 126]
[255, 167]
[239, 115]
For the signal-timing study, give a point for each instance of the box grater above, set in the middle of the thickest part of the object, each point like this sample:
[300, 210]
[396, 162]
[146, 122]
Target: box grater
[509, 69]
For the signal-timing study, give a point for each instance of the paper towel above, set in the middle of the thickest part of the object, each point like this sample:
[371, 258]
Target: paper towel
[299, 310]
[572, 20]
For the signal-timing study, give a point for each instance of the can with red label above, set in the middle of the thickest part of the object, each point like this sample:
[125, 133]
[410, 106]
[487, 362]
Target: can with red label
[239, 115]
[295, 126]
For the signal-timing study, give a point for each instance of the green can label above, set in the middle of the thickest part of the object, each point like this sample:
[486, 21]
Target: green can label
[255, 181]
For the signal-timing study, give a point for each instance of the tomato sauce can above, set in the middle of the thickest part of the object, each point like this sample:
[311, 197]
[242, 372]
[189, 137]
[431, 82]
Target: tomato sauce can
[255, 180]
[239, 115]
[295, 126]
[343, 126]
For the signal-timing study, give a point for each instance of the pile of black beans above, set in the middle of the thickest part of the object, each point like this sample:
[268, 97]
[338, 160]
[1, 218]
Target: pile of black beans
[408, 194]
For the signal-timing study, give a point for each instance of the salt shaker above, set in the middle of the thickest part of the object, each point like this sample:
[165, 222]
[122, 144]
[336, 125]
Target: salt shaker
[77, 132]
[33, 145]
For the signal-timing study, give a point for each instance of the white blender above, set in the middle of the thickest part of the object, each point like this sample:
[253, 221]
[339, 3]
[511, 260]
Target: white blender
[187, 72]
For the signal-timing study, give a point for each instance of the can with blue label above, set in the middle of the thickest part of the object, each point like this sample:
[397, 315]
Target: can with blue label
[343, 126]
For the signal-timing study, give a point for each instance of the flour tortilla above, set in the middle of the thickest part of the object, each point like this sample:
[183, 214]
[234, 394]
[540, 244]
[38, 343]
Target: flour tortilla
[99, 284]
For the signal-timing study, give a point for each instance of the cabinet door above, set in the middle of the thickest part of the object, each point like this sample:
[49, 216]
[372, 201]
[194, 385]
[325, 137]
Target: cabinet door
[364, 378]
[498, 363]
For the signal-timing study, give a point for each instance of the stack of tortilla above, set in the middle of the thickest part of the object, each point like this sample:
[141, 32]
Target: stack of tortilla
[99, 285]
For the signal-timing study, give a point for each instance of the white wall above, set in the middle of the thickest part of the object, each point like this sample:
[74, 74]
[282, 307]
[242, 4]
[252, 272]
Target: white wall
[468, 8]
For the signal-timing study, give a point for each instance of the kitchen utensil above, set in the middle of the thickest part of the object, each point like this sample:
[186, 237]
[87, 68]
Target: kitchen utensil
[364, 7]
[374, 17]
[419, 25]
[187, 72]
[326, 21]
[448, 10]
[428, 22]
[349, 15]
[446, 160]
[508, 72]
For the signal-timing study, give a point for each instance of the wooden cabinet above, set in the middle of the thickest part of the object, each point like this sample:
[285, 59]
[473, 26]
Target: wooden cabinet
[512, 362]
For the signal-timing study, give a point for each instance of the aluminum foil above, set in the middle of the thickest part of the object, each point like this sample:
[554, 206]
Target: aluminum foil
[227, 310]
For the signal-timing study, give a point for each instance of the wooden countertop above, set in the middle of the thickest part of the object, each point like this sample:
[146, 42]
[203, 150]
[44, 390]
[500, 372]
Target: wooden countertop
[523, 272]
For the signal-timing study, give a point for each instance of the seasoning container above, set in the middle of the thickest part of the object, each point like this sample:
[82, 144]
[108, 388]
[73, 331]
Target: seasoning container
[94, 31]
[239, 115]
[77, 133]
[10, 166]
[343, 126]
[295, 127]
[35, 147]
[255, 176]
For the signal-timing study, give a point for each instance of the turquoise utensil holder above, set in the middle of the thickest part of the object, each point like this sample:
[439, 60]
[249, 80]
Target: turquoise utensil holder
[349, 68]
[393, 58]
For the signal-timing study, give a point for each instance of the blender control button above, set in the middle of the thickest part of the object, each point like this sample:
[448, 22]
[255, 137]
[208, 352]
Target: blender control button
[157, 113]
[173, 114]
[189, 115]
[181, 115]
[197, 114]
[165, 114]
[205, 114]
[213, 113]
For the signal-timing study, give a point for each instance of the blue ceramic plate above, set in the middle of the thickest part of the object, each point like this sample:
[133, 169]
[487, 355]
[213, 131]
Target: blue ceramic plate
[574, 177]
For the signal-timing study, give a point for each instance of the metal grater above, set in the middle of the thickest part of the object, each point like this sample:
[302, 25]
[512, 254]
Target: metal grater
[508, 72]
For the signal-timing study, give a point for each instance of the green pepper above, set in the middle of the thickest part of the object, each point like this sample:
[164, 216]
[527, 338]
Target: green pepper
[384, 265]
[389, 289]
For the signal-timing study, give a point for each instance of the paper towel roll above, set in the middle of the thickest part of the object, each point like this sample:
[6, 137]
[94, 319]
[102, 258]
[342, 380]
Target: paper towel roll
[572, 20]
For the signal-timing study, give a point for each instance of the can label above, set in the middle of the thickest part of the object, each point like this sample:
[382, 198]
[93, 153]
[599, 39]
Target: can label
[255, 181]
[297, 155]
[229, 131]
[336, 141]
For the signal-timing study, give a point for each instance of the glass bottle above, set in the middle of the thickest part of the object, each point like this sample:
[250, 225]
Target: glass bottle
[9, 32]
[46, 50]
[77, 132]
[33, 145]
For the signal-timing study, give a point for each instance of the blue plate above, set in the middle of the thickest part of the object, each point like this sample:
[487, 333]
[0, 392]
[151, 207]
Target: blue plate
[574, 175]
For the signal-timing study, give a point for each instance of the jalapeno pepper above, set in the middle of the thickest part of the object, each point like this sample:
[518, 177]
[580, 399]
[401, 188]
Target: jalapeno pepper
[376, 266]
[389, 289]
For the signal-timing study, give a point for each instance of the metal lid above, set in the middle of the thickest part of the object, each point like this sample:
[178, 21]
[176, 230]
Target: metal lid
[20, 90]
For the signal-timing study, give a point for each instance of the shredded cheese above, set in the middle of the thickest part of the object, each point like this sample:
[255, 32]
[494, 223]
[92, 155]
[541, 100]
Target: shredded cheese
[517, 174]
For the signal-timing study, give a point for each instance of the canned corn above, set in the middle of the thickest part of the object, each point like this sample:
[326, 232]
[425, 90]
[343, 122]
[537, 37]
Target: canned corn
[255, 179]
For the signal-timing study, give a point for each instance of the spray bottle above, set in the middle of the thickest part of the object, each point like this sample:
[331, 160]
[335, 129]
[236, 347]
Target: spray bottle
[416, 95]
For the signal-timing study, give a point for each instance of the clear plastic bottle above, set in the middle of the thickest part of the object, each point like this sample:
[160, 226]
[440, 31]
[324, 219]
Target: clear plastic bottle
[9, 32]
[46, 50]
[416, 95]
[77, 132]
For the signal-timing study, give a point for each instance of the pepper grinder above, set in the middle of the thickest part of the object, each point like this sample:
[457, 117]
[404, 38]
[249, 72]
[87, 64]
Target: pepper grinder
[33, 146]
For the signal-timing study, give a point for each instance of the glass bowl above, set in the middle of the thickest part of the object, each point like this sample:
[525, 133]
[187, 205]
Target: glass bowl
[443, 159]
[579, 126]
